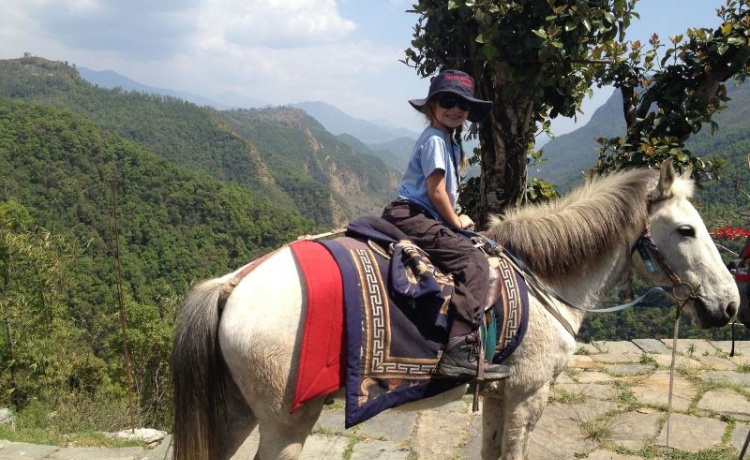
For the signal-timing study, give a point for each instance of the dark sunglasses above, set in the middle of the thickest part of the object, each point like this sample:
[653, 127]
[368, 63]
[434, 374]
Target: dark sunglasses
[448, 102]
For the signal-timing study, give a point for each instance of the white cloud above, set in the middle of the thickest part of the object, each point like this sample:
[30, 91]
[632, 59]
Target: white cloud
[281, 51]
[270, 23]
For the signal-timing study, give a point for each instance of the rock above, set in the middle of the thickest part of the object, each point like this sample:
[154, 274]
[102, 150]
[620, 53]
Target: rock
[147, 435]
[7, 417]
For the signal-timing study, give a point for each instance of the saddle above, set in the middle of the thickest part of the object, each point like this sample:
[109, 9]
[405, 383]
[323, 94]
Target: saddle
[395, 319]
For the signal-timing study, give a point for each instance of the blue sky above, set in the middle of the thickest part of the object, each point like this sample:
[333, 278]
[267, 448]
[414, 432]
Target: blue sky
[343, 52]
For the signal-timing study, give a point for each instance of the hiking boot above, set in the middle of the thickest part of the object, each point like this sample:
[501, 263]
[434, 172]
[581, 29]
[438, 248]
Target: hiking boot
[460, 359]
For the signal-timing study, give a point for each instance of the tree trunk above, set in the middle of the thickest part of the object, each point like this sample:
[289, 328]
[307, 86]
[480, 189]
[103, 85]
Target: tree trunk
[505, 138]
[504, 147]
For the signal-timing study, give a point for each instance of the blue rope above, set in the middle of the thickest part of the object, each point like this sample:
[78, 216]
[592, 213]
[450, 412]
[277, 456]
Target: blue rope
[639, 302]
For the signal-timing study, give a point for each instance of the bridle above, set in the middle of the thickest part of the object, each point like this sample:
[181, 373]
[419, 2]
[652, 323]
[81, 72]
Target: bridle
[654, 260]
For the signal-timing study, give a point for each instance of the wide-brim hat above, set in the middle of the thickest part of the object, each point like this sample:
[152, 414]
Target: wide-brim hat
[460, 84]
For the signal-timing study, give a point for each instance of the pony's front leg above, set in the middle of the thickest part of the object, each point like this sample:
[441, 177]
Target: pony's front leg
[492, 427]
[521, 414]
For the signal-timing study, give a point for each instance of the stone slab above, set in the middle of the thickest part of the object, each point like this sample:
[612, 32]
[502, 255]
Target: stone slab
[582, 362]
[626, 370]
[739, 437]
[617, 358]
[607, 455]
[692, 434]
[734, 378]
[618, 347]
[321, 447]
[565, 377]
[558, 435]
[741, 347]
[472, 450]
[693, 347]
[460, 405]
[726, 402]
[18, 450]
[440, 435]
[331, 422]
[632, 429]
[655, 391]
[716, 363]
[390, 426]
[680, 361]
[580, 391]
[652, 346]
[591, 410]
[248, 448]
[586, 349]
[591, 376]
[379, 450]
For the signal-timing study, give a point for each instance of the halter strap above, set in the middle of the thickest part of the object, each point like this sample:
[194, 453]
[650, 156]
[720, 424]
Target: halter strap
[653, 260]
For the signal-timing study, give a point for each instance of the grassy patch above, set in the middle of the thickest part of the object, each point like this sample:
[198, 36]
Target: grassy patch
[566, 397]
[54, 437]
[582, 351]
[598, 428]
[648, 360]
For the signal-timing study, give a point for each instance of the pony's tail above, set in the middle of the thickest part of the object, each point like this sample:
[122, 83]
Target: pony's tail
[198, 377]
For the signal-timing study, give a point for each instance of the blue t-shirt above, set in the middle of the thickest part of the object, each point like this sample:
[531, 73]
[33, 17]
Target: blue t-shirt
[431, 152]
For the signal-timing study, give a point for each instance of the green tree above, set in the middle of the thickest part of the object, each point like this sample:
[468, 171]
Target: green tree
[671, 91]
[536, 59]
[42, 353]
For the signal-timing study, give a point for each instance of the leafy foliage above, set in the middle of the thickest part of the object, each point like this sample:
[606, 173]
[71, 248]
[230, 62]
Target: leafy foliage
[667, 100]
[67, 183]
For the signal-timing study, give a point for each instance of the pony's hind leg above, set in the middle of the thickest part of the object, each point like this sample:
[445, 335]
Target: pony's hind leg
[282, 436]
[240, 419]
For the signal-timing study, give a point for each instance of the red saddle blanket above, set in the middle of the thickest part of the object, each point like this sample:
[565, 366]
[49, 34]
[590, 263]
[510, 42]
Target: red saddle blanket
[321, 360]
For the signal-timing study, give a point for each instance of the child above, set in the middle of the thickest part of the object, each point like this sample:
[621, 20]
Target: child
[425, 210]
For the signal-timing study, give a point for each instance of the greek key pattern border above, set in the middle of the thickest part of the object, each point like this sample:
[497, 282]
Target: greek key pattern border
[512, 298]
[376, 324]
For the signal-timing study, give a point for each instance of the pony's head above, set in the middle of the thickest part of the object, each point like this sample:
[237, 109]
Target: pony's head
[685, 257]
[578, 237]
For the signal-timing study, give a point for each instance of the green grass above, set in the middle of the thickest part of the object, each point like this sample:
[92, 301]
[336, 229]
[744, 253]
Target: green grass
[54, 437]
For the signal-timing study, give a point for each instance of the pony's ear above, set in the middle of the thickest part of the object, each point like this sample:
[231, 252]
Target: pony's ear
[688, 172]
[666, 179]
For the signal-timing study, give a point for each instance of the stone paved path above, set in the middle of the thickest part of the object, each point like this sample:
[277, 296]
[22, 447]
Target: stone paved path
[609, 404]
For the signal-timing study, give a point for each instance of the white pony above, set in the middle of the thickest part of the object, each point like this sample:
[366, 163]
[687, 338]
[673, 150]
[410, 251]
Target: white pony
[233, 369]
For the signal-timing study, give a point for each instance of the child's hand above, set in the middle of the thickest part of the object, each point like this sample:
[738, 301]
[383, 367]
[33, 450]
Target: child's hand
[466, 222]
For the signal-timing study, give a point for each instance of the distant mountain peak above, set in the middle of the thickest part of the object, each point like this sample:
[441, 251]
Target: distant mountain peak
[337, 122]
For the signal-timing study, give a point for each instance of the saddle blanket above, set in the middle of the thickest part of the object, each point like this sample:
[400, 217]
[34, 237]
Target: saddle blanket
[384, 353]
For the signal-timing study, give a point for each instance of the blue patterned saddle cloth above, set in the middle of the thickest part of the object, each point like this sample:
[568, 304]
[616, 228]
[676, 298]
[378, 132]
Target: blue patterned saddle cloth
[396, 306]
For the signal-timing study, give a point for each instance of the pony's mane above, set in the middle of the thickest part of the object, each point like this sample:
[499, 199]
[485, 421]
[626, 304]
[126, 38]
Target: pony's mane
[563, 237]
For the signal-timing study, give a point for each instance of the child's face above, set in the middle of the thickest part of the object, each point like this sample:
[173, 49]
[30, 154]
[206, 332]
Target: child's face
[451, 111]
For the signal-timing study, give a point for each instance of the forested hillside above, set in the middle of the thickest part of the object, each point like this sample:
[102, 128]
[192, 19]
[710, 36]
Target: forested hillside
[308, 163]
[569, 155]
[221, 144]
[110, 222]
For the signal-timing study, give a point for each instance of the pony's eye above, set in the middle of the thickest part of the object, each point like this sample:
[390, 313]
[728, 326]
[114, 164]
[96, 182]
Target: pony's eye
[686, 230]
